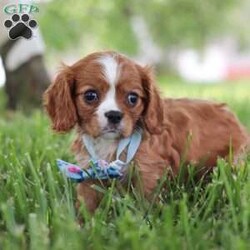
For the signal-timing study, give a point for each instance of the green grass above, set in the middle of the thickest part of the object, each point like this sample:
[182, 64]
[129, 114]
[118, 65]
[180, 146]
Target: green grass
[37, 203]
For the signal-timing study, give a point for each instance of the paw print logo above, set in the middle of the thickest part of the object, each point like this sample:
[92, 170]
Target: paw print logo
[20, 26]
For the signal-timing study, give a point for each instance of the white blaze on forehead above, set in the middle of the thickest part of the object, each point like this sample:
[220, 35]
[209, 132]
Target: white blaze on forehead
[110, 69]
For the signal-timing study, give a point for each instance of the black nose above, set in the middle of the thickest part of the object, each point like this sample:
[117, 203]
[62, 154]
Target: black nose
[114, 116]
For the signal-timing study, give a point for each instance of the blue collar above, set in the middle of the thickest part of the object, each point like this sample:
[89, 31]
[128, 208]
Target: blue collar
[101, 169]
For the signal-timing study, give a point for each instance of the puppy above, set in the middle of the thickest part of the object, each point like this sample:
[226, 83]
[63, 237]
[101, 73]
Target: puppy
[107, 96]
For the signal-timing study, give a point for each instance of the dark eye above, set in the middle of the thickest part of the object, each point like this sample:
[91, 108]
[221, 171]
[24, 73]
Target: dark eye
[132, 99]
[90, 96]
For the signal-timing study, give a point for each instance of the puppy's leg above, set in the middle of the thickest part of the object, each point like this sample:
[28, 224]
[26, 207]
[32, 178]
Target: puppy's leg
[147, 180]
[153, 167]
[88, 196]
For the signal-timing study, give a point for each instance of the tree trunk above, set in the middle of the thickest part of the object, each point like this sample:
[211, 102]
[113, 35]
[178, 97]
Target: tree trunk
[25, 85]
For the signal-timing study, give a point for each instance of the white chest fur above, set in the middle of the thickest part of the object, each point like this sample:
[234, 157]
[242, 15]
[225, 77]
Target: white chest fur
[104, 149]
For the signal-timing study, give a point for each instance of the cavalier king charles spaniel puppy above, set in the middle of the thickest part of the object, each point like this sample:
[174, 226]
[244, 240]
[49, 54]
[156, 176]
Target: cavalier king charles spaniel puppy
[107, 96]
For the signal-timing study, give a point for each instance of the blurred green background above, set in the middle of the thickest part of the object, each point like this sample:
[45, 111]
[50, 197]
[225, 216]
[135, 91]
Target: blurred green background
[96, 24]
[154, 32]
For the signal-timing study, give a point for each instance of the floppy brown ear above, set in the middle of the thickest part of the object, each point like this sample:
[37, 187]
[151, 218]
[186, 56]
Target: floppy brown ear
[153, 112]
[59, 103]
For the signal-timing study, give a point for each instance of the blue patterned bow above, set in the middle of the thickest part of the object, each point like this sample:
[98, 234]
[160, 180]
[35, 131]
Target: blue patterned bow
[101, 169]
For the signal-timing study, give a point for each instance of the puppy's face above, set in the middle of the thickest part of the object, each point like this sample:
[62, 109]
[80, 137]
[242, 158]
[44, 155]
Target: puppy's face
[109, 95]
[106, 94]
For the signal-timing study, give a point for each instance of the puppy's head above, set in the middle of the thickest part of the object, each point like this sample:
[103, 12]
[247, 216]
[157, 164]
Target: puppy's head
[105, 94]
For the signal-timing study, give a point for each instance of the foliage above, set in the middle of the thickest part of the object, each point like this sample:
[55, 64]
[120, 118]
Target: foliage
[171, 22]
[37, 203]
[186, 22]
[69, 22]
